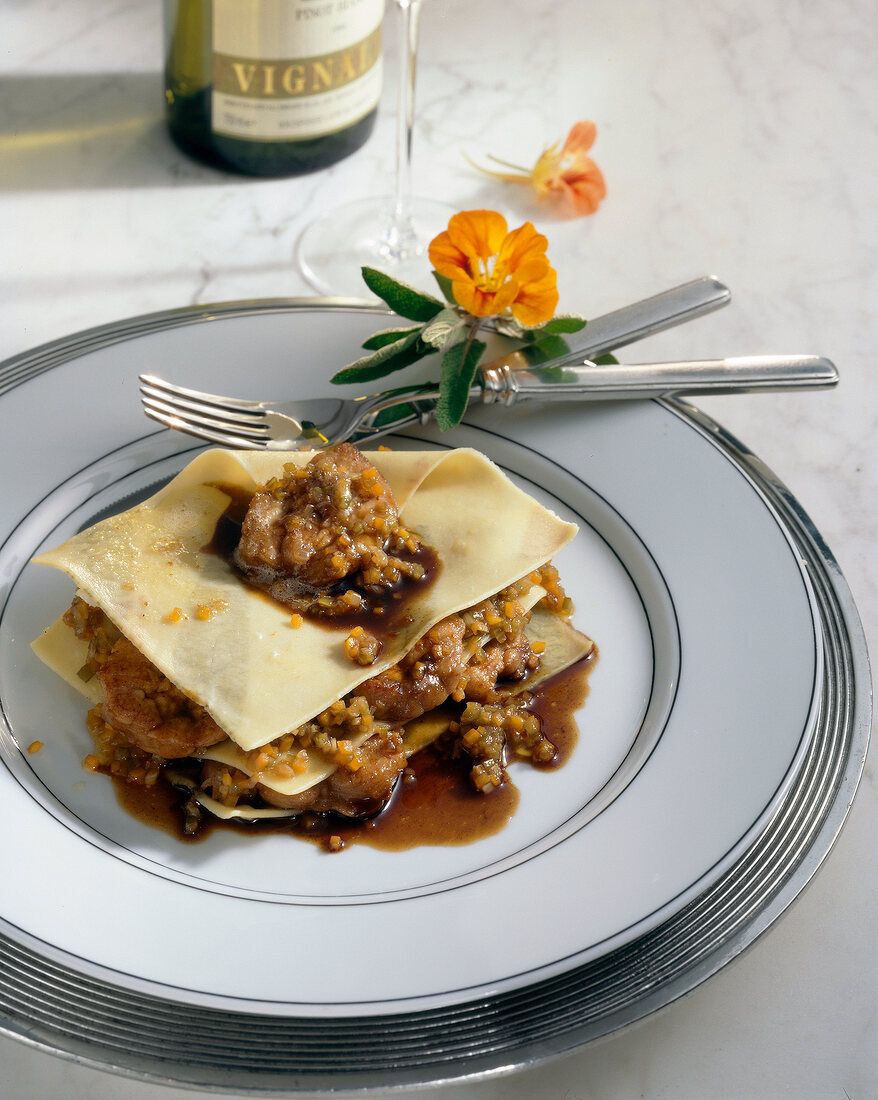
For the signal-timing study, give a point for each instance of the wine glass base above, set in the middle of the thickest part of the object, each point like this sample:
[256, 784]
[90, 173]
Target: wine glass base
[334, 247]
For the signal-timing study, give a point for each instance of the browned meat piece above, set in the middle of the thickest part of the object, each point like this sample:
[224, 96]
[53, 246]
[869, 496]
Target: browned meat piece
[480, 679]
[504, 662]
[519, 660]
[149, 710]
[425, 677]
[351, 792]
[440, 665]
[320, 523]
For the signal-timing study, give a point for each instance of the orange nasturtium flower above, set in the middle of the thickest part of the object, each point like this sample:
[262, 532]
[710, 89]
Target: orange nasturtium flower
[492, 270]
[567, 173]
[483, 270]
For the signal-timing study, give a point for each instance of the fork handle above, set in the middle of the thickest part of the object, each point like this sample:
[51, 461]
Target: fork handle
[745, 374]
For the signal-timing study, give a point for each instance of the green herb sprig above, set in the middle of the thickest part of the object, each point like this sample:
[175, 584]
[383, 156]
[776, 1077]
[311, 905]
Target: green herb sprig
[443, 327]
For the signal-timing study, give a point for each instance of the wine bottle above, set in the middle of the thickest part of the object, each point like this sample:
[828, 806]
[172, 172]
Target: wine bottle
[272, 87]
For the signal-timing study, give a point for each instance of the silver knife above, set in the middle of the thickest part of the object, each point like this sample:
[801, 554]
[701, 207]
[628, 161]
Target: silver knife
[602, 334]
[626, 325]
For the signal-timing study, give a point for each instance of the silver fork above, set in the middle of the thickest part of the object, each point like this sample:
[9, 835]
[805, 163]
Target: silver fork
[322, 422]
[287, 425]
[510, 378]
[238, 423]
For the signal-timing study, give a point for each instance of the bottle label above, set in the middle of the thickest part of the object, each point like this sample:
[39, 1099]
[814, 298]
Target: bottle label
[287, 70]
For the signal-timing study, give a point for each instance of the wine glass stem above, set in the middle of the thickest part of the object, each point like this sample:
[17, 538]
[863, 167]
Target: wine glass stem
[401, 235]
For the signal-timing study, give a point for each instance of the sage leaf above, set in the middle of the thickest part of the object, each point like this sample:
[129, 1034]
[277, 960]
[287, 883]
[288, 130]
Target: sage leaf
[564, 322]
[458, 370]
[407, 301]
[388, 336]
[393, 414]
[558, 374]
[446, 328]
[508, 326]
[548, 347]
[446, 286]
[392, 357]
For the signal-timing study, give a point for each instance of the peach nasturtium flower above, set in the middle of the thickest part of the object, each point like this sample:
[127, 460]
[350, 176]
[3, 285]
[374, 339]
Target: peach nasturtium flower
[567, 173]
[492, 270]
[571, 172]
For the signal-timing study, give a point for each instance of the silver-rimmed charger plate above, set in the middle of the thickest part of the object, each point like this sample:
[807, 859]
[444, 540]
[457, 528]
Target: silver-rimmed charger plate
[720, 747]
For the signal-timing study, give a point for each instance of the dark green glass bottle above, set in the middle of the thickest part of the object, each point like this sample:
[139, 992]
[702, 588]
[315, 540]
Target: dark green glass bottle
[272, 87]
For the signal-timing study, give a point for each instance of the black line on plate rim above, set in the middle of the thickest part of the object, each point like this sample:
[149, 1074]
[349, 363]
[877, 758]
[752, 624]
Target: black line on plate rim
[839, 618]
[117, 333]
[440, 886]
[620, 932]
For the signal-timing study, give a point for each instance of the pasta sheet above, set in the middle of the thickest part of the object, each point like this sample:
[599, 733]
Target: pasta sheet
[257, 675]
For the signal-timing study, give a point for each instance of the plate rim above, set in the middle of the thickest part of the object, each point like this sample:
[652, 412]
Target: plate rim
[794, 521]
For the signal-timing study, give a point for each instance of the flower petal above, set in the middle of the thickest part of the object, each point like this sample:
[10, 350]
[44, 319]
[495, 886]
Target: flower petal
[533, 270]
[506, 295]
[492, 270]
[585, 189]
[581, 137]
[478, 233]
[522, 244]
[447, 257]
[536, 302]
[478, 302]
[545, 171]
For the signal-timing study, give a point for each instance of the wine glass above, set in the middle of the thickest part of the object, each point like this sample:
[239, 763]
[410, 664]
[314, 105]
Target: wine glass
[390, 232]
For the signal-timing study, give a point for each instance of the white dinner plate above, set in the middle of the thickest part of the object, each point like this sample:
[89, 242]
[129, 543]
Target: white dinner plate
[730, 658]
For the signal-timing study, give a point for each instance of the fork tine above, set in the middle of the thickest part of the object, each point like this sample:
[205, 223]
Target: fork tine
[183, 405]
[227, 439]
[171, 392]
[190, 422]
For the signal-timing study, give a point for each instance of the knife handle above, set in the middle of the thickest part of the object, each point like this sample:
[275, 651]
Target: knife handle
[630, 323]
[745, 374]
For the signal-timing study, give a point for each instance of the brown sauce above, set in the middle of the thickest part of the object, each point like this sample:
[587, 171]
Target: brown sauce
[433, 803]
[383, 613]
[159, 806]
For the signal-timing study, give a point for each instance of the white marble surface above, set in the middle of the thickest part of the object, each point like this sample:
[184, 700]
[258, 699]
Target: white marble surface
[739, 138]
